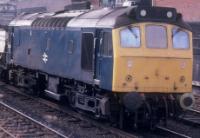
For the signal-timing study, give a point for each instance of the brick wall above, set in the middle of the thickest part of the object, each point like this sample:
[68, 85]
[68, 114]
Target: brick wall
[52, 5]
[189, 8]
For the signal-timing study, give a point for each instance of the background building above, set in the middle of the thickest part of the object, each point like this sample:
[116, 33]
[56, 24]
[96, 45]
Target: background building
[51, 5]
[189, 8]
[10, 8]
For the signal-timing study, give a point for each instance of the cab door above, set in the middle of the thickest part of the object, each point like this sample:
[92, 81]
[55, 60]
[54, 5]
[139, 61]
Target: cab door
[87, 55]
[104, 60]
[98, 57]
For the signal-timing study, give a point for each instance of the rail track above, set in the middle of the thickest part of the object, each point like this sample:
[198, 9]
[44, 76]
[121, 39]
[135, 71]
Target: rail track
[171, 133]
[62, 120]
[180, 128]
[68, 123]
[186, 125]
[16, 124]
[191, 117]
[5, 134]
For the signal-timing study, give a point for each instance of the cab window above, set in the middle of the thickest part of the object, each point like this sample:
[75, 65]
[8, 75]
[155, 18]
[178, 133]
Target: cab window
[130, 37]
[106, 46]
[180, 38]
[156, 36]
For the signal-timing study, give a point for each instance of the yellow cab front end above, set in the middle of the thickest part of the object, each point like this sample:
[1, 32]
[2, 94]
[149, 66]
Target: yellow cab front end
[152, 57]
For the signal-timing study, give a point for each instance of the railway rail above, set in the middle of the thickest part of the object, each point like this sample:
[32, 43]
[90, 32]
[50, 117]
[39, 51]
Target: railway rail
[187, 124]
[16, 124]
[64, 121]
[191, 117]
[180, 128]
[5, 134]
[69, 123]
[171, 133]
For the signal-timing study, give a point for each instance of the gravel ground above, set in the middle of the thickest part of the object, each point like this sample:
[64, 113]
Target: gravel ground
[3, 134]
[64, 122]
[76, 127]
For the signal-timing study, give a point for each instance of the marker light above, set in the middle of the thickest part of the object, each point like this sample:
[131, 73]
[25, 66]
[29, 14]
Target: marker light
[169, 14]
[143, 13]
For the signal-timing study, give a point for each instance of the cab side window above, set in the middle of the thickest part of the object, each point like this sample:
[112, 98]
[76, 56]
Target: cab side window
[180, 39]
[106, 44]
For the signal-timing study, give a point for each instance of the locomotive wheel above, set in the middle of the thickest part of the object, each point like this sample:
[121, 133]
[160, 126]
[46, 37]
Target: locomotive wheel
[71, 99]
[121, 118]
[144, 116]
[40, 85]
[4, 76]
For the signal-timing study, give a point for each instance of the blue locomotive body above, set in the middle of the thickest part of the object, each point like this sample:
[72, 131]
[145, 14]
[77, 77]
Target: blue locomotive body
[46, 50]
[100, 61]
[58, 52]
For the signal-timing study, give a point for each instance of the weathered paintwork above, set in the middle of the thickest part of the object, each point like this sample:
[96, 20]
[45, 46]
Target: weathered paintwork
[152, 70]
[46, 50]
[42, 44]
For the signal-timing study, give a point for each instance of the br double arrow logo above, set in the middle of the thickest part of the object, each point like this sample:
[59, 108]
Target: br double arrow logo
[45, 57]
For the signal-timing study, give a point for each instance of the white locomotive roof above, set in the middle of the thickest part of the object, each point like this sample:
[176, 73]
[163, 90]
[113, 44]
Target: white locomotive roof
[23, 20]
[105, 17]
[100, 18]
[46, 15]
[27, 19]
[3, 37]
[69, 14]
[21, 23]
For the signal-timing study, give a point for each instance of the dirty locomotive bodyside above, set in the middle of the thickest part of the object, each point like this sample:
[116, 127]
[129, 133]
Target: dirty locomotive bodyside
[127, 64]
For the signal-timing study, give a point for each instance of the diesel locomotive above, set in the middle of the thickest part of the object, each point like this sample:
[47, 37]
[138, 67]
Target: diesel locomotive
[126, 64]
